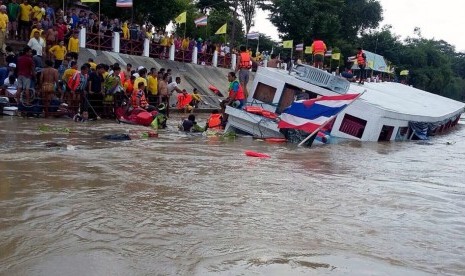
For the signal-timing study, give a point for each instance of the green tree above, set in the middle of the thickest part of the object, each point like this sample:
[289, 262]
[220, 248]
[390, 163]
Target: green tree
[157, 12]
[248, 8]
[358, 16]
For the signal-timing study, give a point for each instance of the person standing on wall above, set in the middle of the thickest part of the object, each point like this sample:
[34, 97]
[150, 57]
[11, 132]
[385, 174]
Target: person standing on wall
[318, 51]
[244, 63]
[362, 62]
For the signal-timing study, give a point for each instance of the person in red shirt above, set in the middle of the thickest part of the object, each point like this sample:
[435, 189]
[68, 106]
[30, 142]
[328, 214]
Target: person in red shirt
[61, 30]
[25, 67]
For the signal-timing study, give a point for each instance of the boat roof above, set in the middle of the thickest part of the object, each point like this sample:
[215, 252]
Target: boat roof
[404, 99]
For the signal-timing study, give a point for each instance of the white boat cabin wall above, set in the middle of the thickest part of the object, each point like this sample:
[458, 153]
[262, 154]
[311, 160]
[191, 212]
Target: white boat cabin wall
[383, 113]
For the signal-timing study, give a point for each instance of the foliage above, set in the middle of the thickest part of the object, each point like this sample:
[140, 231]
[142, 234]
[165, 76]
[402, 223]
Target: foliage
[157, 12]
[265, 43]
[216, 19]
[207, 5]
[248, 8]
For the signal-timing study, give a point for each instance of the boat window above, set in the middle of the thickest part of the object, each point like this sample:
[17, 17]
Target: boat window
[264, 93]
[291, 94]
[386, 133]
[353, 126]
[402, 134]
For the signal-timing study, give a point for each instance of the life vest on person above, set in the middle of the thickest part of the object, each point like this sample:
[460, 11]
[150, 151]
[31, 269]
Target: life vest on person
[143, 100]
[215, 121]
[361, 59]
[129, 87]
[240, 93]
[183, 100]
[245, 61]
[122, 77]
[319, 47]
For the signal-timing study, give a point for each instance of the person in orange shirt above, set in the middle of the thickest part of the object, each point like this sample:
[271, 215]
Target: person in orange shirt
[318, 51]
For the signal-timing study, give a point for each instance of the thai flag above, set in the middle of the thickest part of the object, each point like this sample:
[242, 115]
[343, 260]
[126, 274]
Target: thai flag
[124, 3]
[253, 35]
[201, 21]
[309, 115]
[299, 47]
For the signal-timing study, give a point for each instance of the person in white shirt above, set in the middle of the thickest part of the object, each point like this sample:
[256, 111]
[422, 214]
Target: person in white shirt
[171, 87]
[11, 86]
[37, 43]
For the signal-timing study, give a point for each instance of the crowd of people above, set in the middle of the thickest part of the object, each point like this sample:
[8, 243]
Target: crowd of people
[96, 90]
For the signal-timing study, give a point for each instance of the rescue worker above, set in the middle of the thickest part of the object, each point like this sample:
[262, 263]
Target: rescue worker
[138, 99]
[243, 66]
[184, 100]
[361, 62]
[190, 125]
[236, 97]
[318, 51]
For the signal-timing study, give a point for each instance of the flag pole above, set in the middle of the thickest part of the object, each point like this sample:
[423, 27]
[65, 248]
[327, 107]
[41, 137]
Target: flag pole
[258, 44]
[327, 121]
[185, 27]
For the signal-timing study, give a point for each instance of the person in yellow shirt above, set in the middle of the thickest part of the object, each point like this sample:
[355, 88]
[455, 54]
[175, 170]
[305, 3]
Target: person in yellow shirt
[185, 43]
[58, 52]
[24, 24]
[93, 65]
[142, 74]
[73, 46]
[39, 29]
[152, 86]
[196, 98]
[3, 26]
[164, 41]
[70, 71]
[38, 11]
[125, 30]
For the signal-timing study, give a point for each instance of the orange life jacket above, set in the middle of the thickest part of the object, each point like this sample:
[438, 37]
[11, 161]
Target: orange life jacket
[129, 87]
[319, 47]
[122, 77]
[245, 61]
[183, 100]
[360, 59]
[143, 101]
[214, 121]
[240, 93]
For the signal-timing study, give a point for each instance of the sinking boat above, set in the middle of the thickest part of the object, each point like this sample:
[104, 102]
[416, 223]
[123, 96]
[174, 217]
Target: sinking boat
[386, 111]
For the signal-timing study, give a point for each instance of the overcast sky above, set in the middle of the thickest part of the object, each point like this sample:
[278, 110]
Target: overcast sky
[437, 19]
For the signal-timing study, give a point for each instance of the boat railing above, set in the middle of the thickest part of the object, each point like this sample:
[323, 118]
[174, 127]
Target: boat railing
[321, 78]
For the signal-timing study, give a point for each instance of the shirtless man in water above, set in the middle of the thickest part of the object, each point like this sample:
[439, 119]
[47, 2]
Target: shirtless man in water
[48, 81]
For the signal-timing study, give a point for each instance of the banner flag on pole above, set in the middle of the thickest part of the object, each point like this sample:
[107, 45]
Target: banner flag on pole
[308, 50]
[336, 56]
[124, 3]
[181, 18]
[299, 47]
[222, 29]
[404, 73]
[288, 44]
[253, 35]
[201, 21]
[309, 115]
[90, 1]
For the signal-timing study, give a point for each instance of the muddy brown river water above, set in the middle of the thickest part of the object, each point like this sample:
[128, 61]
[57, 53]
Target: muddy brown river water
[72, 203]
